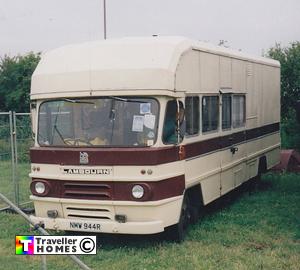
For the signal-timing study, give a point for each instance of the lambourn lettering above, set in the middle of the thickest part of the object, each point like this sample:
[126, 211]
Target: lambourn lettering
[88, 171]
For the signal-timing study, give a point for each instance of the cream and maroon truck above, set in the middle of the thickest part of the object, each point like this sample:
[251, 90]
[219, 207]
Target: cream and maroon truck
[135, 135]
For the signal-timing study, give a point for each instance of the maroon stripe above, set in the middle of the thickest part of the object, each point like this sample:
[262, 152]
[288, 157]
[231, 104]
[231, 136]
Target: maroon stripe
[143, 156]
[207, 146]
[109, 190]
[261, 131]
[105, 156]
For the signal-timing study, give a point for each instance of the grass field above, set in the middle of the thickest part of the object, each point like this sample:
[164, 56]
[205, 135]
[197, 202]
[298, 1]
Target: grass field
[260, 230]
[7, 186]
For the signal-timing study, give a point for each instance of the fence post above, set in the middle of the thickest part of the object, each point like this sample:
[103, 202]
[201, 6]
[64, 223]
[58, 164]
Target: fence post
[16, 159]
[13, 167]
[44, 262]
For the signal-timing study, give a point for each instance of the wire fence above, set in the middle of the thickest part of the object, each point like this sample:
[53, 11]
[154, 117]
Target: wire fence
[15, 142]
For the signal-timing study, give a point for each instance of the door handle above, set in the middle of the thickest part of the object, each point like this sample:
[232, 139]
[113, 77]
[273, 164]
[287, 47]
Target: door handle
[233, 149]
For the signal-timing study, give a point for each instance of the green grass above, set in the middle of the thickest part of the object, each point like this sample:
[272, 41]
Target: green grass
[260, 230]
[7, 185]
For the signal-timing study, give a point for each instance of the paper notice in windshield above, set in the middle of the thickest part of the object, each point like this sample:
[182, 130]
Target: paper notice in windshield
[138, 123]
[150, 142]
[149, 121]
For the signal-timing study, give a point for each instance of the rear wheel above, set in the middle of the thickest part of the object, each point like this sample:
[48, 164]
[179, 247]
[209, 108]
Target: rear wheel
[178, 231]
[262, 168]
[196, 213]
[255, 182]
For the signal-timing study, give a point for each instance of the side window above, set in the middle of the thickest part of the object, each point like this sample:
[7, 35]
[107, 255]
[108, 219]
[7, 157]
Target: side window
[226, 111]
[238, 111]
[170, 132]
[210, 113]
[192, 115]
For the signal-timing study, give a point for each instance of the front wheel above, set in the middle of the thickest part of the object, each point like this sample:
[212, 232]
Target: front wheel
[178, 231]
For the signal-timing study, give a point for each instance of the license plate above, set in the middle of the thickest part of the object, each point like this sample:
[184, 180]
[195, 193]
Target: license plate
[85, 226]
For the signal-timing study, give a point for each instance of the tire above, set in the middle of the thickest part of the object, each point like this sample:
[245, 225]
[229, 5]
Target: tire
[178, 231]
[254, 184]
[195, 214]
[262, 168]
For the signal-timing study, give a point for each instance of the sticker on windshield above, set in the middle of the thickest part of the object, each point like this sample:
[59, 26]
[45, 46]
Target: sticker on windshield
[138, 123]
[149, 121]
[150, 134]
[150, 142]
[145, 108]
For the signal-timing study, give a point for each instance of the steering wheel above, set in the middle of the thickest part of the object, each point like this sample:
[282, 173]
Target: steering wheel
[76, 142]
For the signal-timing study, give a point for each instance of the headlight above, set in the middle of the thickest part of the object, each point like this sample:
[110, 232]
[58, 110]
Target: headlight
[40, 187]
[137, 191]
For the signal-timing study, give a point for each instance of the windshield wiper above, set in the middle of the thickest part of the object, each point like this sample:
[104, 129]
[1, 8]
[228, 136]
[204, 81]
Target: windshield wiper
[56, 129]
[128, 100]
[78, 101]
[59, 133]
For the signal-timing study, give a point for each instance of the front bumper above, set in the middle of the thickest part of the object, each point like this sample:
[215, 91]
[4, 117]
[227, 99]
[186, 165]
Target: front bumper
[63, 224]
[99, 216]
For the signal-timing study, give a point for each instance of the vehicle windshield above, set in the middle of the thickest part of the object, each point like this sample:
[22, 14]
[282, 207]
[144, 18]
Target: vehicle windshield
[109, 121]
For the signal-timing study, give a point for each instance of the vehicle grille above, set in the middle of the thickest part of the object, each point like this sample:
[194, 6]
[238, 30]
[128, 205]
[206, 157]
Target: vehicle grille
[103, 213]
[87, 191]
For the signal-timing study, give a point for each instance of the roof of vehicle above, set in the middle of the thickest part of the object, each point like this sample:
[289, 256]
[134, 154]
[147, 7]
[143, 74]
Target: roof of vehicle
[143, 63]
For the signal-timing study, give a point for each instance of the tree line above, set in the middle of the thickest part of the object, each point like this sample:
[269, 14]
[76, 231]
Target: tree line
[15, 77]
